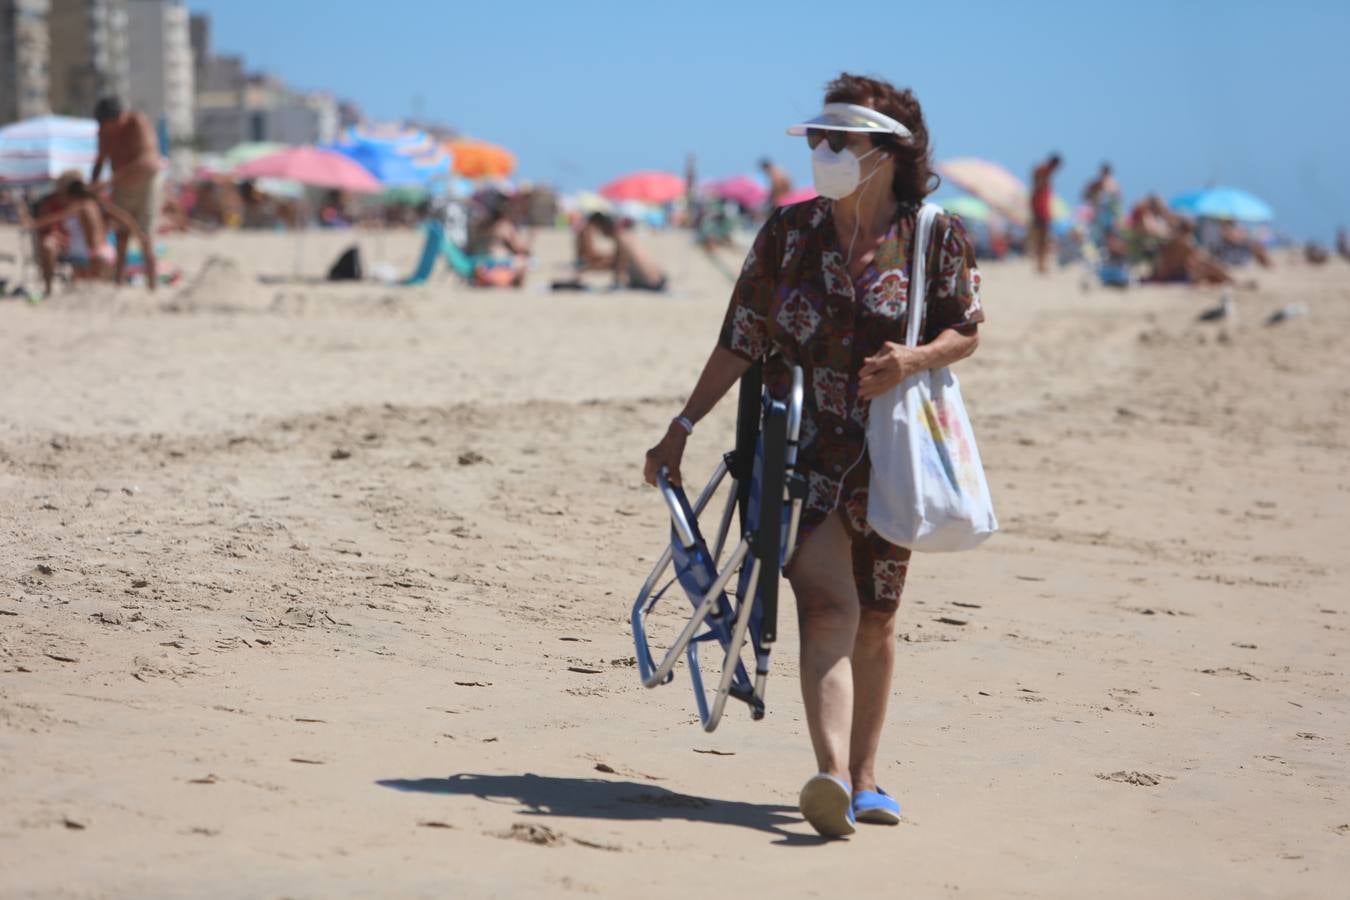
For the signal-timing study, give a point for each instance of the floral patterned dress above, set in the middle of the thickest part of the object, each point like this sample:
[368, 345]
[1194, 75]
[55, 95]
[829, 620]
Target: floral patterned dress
[796, 304]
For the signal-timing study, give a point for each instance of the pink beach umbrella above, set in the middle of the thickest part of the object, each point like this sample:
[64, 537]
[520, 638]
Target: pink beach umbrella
[645, 187]
[800, 195]
[314, 167]
[742, 189]
[992, 183]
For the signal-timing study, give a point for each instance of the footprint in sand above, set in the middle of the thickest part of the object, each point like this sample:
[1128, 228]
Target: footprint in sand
[544, 836]
[1139, 779]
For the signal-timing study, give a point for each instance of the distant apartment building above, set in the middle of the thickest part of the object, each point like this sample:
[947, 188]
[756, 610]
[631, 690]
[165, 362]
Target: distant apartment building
[234, 106]
[163, 77]
[23, 59]
[90, 56]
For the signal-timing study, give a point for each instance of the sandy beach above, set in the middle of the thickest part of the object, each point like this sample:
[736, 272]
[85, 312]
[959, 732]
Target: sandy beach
[315, 590]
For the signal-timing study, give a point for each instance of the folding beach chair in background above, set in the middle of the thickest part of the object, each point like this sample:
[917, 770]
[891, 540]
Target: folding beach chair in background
[766, 493]
[438, 244]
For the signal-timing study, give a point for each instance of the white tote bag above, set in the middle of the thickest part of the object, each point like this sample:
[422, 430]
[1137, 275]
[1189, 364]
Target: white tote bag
[927, 490]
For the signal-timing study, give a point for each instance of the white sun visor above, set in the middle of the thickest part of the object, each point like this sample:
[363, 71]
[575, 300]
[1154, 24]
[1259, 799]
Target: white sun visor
[851, 117]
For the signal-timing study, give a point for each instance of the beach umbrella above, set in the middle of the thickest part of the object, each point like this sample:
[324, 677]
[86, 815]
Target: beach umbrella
[389, 166]
[314, 167]
[435, 164]
[800, 195]
[971, 209]
[248, 151]
[645, 187]
[407, 158]
[479, 159]
[409, 141]
[743, 189]
[589, 202]
[40, 149]
[1223, 203]
[1002, 190]
[221, 165]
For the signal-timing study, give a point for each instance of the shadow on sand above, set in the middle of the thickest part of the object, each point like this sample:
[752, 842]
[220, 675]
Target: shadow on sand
[596, 798]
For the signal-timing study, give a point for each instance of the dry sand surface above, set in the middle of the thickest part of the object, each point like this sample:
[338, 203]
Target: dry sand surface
[315, 591]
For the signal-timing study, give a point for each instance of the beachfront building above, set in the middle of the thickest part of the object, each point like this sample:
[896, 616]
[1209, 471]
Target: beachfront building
[235, 107]
[23, 59]
[89, 54]
[161, 83]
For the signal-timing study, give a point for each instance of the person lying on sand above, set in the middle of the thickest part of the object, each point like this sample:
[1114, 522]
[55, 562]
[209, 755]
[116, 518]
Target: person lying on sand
[75, 232]
[633, 268]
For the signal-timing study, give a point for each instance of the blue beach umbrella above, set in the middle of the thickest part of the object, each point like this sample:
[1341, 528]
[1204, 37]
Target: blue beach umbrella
[1223, 203]
[396, 161]
[385, 163]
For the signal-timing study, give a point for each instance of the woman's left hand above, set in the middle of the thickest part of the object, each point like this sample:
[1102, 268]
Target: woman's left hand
[892, 365]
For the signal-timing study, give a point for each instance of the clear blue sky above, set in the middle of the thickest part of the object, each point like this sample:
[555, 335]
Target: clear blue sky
[1177, 94]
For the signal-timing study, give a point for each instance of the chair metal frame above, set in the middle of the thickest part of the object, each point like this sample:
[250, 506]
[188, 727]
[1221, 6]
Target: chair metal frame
[768, 493]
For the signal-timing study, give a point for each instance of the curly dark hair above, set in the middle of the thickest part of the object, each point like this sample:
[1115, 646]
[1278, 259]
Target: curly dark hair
[914, 175]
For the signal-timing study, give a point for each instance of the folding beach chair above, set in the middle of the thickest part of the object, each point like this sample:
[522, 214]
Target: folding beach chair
[767, 492]
[438, 244]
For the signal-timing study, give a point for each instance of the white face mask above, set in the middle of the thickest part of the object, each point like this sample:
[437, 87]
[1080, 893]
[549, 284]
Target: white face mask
[837, 175]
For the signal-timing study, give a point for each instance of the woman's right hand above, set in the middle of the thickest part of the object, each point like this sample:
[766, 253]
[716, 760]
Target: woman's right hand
[668, 452]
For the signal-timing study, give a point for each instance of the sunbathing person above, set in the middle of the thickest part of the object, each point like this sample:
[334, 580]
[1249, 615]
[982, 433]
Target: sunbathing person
[1181, 260]
[1238, 244]
[502, 251]
[591, 258]
[633, 268]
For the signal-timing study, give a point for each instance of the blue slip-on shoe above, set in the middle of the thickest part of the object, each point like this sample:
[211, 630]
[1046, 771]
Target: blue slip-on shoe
[876, 808]
[827, 803]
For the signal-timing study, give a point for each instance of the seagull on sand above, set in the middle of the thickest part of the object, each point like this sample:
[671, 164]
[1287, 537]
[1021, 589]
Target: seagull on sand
[1226, 310]
[1285, 313]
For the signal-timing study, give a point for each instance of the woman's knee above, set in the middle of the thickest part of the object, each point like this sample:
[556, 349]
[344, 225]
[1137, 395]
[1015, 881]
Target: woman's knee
[876, 625]
[823, 605]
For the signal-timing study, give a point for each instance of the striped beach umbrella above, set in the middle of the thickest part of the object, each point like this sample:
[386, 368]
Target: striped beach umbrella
[40, 149]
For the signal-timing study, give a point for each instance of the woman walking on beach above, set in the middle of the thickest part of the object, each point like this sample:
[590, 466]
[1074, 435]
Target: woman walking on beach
[825, 288]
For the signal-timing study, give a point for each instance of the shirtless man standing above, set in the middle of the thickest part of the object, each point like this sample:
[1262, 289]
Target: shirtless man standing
[780, 185]
[126, 141]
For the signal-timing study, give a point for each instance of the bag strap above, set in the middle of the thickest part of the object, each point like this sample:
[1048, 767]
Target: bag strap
[918, 281]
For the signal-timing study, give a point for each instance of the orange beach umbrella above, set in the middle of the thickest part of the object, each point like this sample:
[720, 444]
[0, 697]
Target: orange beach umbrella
[479, 159]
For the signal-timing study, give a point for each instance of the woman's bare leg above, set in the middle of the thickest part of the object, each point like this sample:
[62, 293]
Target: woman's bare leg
[873, 665]
[47, 258]
[827, 616]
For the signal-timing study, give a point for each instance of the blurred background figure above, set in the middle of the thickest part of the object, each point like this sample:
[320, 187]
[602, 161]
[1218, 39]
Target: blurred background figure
[780, 183]
[632, 266]
[1181, 260]
[499, 245]
[127, 142]
[1042, 205]
[1103, 199]
[72, 229]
